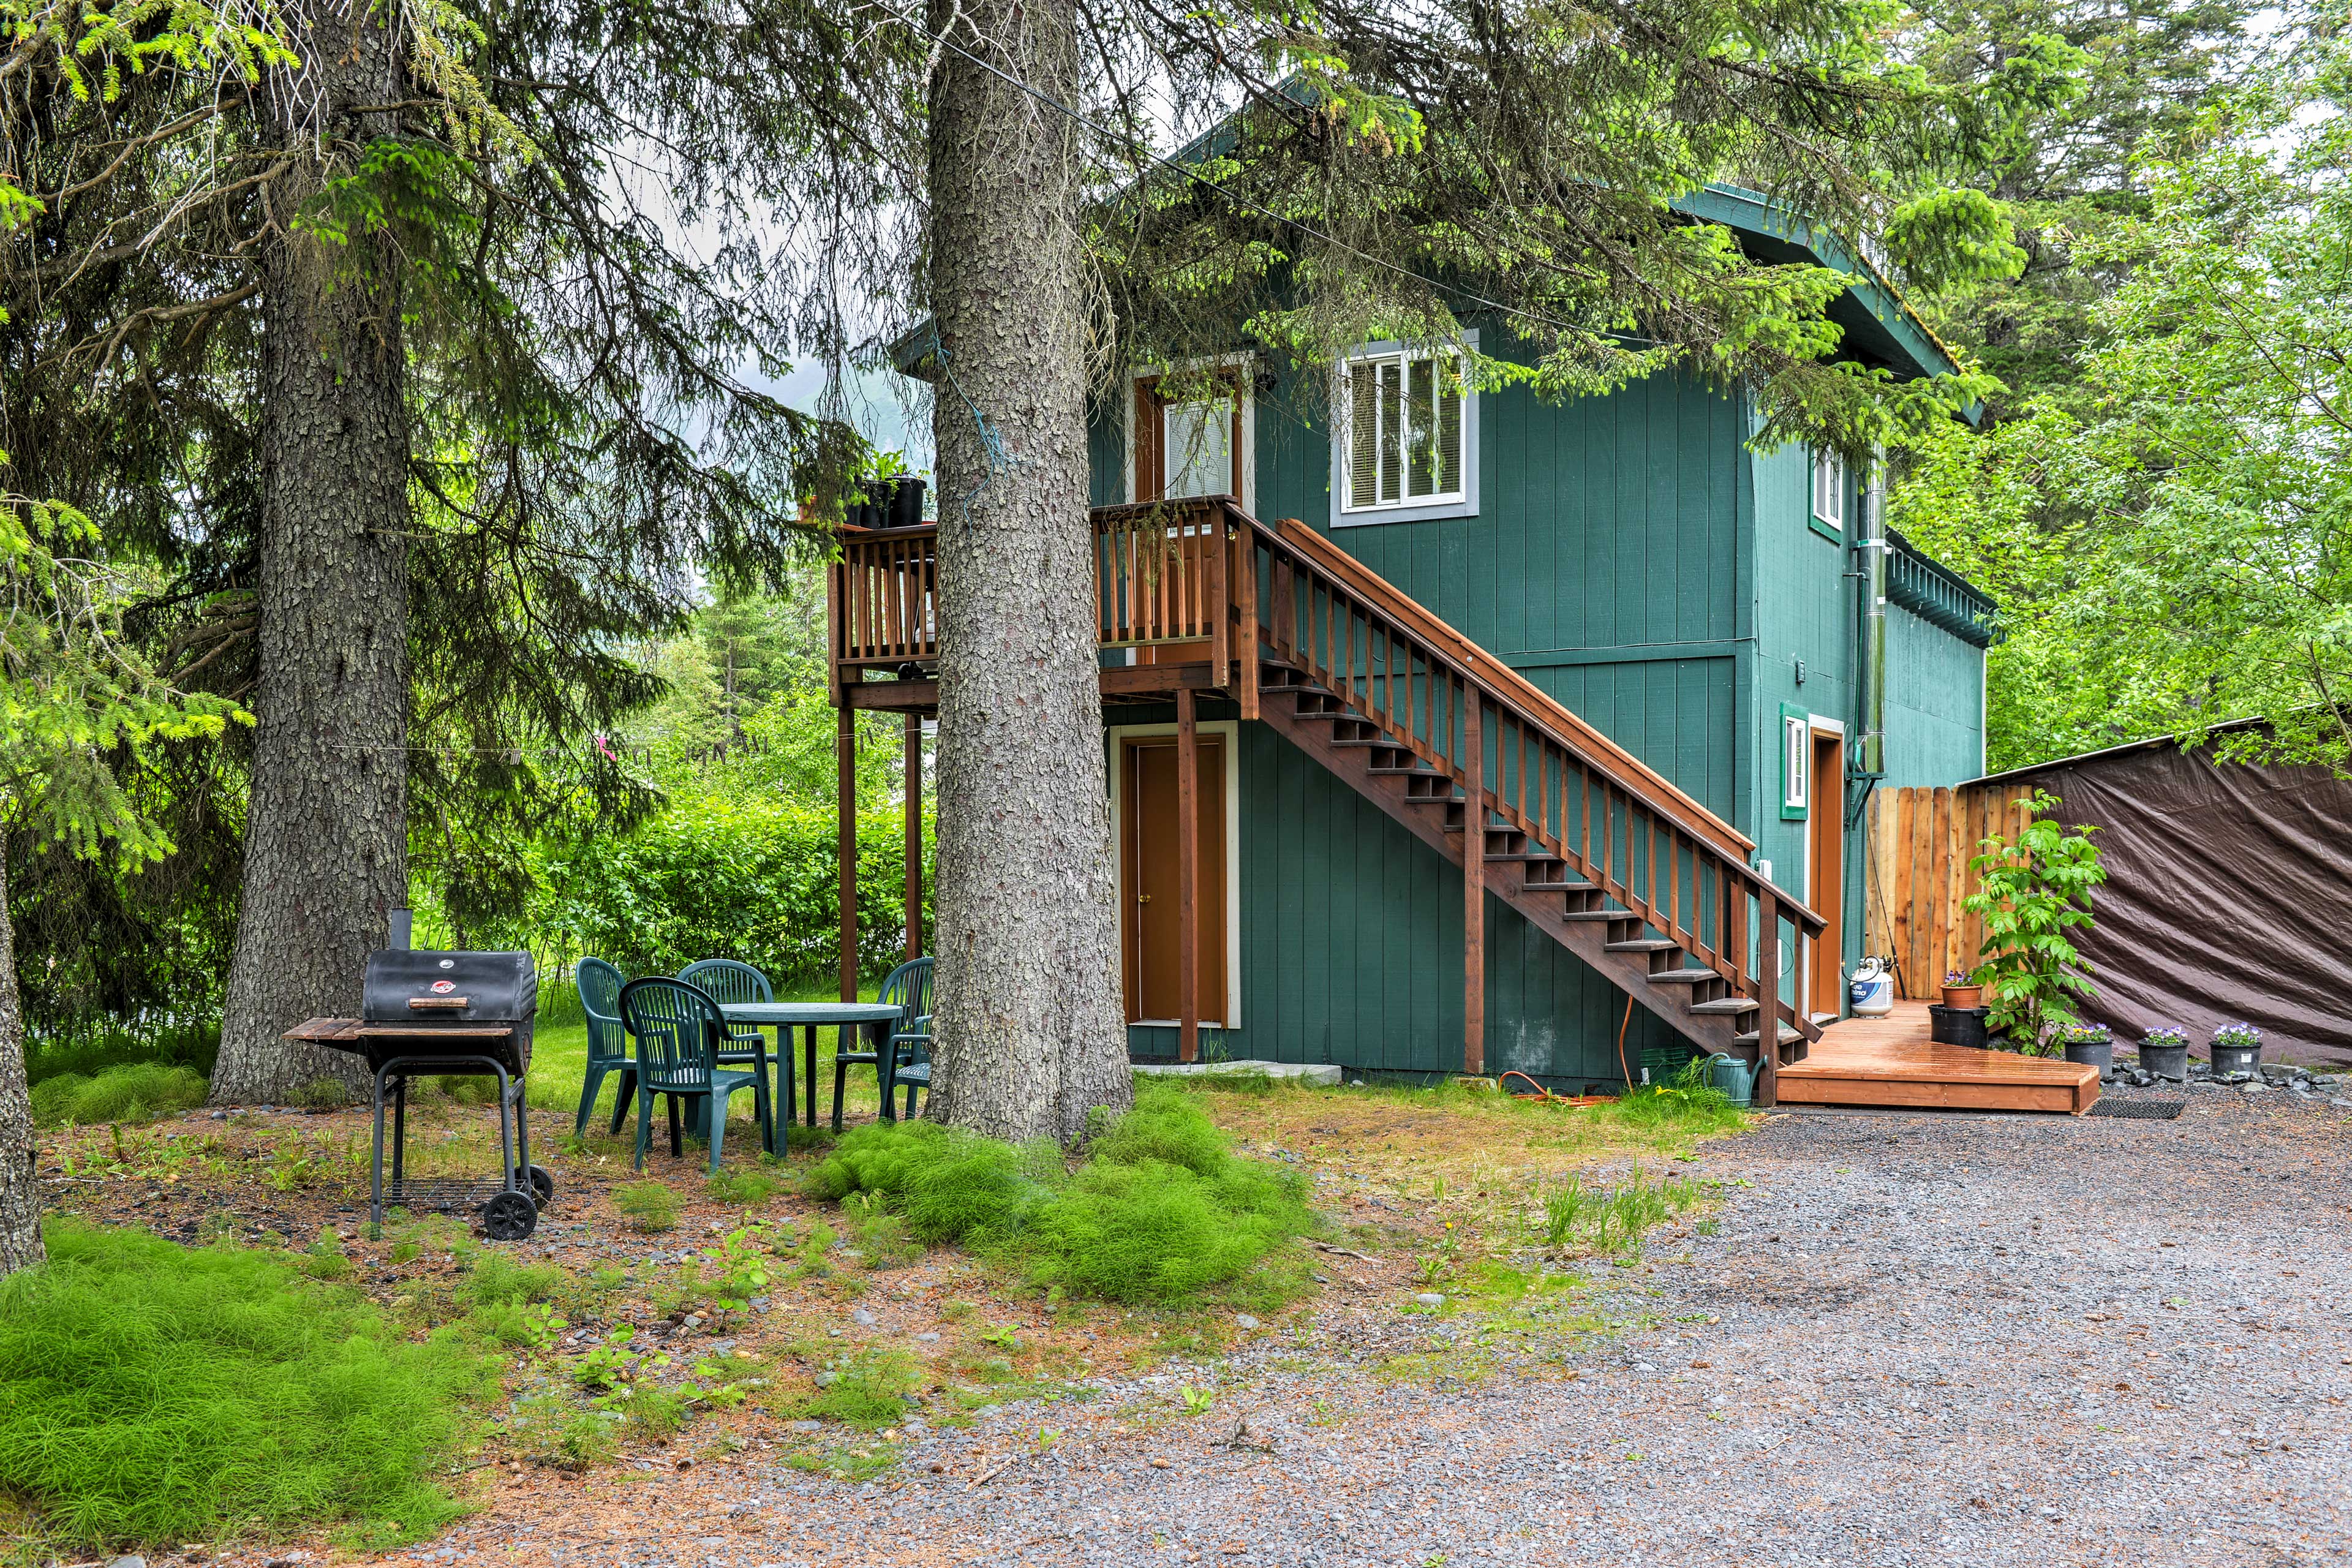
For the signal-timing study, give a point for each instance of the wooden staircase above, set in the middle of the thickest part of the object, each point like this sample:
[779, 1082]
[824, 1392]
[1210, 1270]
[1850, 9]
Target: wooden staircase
[1598, 851]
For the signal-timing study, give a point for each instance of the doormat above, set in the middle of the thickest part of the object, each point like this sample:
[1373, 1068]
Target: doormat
[2140, 1109]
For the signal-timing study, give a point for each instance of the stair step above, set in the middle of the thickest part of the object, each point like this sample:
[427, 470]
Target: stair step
[1533, 856]
[1683, 976]
[1380, 742]
[1413, 771]
[1789, 1035]
[1564, 888]
[1594, 914]
[1726, 1005]
[1645, 944]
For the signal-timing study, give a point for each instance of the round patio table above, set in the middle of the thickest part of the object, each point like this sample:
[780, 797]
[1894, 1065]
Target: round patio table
[810, 1017]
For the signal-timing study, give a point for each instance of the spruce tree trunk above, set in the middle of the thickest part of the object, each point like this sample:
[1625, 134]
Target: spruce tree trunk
[20, 1189]
[1032, 1037]
[326, 832]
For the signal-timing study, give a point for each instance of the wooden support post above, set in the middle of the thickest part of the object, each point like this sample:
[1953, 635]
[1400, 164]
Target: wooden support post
[1218, 596]
[1245, 564]
[914, 836]
[1474, 886]
[1188, 877]
[1768, 987]
[844, 757]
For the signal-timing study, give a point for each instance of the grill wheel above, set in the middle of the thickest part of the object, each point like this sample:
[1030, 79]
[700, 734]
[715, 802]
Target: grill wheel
[510, 1216]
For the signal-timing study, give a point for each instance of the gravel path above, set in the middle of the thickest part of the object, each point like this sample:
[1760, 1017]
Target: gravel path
[1914, 1339]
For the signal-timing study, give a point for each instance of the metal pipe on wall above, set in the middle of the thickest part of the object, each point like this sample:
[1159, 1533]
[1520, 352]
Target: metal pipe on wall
[1870, 750]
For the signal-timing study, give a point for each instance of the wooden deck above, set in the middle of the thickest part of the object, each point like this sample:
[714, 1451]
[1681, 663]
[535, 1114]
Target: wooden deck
[1891, 1061]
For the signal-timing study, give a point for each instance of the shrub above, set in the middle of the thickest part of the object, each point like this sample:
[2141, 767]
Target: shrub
[648, 1205]
[1161, 1212]
[2034, 892]
[871, 1392]
[131, 1091]
[744, 1189]
[154, 1393]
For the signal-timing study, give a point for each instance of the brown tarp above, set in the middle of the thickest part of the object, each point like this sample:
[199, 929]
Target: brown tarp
[2228, 896]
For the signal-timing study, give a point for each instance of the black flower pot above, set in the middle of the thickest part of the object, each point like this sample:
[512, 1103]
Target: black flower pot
[2170, 1063]
[1958, 1025]
[2237, 1058]
[2099, 1054]
[907, 502]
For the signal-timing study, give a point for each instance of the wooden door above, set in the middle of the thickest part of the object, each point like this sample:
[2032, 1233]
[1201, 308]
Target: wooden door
[1825, 887]
[1148, 865]
[1169, 436]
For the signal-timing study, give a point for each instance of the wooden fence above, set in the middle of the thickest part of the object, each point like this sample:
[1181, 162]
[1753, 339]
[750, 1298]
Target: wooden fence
[1921, 841]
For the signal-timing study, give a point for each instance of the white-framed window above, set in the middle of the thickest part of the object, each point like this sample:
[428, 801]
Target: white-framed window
[1829, 490]
[1796, 762]
[1405, 437]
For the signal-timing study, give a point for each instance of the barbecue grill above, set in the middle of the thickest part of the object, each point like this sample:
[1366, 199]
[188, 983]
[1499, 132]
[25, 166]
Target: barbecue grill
[430, 1014]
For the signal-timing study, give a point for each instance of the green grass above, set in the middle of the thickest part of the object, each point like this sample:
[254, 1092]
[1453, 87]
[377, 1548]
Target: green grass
[1161, 1212]
[128, 1091]
[151, 1394]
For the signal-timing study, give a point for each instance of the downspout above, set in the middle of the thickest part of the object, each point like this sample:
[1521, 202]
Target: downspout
[1870, 751]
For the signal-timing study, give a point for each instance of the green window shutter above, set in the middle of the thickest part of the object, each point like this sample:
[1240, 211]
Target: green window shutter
[1796, 762]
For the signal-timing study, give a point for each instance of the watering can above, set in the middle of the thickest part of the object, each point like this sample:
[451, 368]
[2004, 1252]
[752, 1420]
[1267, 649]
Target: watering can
[1734, 1078]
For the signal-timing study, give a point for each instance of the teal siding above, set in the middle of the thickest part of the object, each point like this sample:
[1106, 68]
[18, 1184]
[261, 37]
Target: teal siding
[1352, 943]
[1934, 704]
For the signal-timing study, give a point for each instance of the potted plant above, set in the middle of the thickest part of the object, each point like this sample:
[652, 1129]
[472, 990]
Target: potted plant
[2034, 892]
[2164, 1053]
[2090, 1044]
[2237, 1047]
[1959, 990]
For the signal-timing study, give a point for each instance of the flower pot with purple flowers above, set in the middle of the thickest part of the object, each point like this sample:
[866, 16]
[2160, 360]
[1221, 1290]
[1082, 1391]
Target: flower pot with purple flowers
[2090, 1044]
[1959, 990]
[2237, 1047]
[2164, 1053]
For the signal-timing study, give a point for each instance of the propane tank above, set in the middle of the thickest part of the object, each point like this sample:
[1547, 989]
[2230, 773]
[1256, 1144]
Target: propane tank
[1872, 988]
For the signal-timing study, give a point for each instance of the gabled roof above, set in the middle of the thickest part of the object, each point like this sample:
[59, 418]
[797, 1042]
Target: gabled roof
[1878, 323]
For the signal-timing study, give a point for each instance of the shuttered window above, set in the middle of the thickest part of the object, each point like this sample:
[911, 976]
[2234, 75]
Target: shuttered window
[1405, 430]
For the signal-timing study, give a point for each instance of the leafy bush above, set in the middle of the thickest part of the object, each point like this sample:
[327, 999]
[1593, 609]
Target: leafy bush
[152, 1394]
[132, 1091]
[747, 876]
[648, 1205]
[2032, 892]
[1161, 1212]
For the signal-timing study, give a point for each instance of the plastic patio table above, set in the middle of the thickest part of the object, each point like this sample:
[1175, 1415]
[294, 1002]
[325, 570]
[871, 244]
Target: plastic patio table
[809, 1017]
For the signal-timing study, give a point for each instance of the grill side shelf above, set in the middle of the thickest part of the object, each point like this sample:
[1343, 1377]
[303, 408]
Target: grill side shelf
[325, 1031]
[442, 1032]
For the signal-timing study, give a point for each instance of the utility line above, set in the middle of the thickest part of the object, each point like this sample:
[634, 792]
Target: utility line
[1199, 179]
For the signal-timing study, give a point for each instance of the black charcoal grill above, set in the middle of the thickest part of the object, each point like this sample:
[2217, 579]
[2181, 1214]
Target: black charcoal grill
[425, 1015]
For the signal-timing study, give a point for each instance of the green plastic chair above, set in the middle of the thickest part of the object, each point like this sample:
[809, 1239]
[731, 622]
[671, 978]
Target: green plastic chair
[728, 980]
[905, 1058]
[678, 1029]
[608, 1044]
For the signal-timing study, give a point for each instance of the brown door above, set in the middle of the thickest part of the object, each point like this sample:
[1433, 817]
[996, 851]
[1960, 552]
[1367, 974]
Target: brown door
[1147, 878]
[1826, 891]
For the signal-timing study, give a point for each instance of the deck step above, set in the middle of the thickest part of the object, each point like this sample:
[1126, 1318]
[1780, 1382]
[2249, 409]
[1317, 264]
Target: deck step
[1682, 976]
[1645, 944]
[1415, 771]
[1533, 856]
[1726, 1005]
[1564, 888]
[1790, 1034]
[1590, 914]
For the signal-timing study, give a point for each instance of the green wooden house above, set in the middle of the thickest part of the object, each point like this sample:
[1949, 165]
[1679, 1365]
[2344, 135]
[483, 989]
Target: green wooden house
[1340, 608]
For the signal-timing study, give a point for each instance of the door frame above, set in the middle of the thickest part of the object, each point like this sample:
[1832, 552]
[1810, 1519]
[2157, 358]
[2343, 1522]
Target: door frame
[1115, 736]
[1242, 368]
[1831, 798]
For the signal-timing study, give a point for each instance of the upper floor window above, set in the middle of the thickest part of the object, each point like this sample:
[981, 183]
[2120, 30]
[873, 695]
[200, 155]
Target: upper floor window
[1829, 490]
[1406, 435]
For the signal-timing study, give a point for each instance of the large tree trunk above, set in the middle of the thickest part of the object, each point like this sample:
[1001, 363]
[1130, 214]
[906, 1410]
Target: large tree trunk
[20, 1189]
[1031, 1033]
[325, 833]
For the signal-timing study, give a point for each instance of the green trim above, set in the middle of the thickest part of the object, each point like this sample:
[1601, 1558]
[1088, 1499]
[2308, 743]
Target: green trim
[1623, 653]
[1790, 710]
[1939, 595]
[1830, 532]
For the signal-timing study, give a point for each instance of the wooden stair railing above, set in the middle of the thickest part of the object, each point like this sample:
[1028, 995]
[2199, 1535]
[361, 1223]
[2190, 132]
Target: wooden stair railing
[1554, 794]
[1553, 791]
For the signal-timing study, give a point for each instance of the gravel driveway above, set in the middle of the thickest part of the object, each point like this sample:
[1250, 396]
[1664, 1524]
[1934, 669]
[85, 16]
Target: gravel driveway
[1913, 1338]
